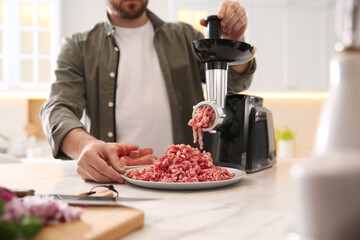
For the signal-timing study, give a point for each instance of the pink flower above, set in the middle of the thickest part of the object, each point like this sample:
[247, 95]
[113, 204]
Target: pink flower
[6, 194]
[14, 210]
[49, 211]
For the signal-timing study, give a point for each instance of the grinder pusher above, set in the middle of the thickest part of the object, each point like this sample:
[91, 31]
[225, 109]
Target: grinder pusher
[243, 133]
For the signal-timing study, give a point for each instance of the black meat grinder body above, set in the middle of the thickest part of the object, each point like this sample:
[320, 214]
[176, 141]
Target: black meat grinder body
[242, 135]
[248, 141]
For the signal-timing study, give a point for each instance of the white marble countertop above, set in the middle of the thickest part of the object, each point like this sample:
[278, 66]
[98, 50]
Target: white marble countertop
[258, 207]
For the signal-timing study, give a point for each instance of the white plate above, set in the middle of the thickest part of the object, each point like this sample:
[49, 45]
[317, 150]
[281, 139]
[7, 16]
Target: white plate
[138, 166]
[239, 174]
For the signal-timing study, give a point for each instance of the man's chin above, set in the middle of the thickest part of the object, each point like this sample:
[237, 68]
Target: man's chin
[131, 15]
[132, 11]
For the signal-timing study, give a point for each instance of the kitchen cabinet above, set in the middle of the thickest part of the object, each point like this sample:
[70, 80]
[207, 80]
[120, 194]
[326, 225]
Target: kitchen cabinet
[294, 41]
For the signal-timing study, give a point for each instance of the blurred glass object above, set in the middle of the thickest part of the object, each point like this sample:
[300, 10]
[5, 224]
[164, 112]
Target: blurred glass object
[326, 196]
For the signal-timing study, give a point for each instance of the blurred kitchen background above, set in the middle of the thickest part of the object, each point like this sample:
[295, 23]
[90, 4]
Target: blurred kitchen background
[294, 41]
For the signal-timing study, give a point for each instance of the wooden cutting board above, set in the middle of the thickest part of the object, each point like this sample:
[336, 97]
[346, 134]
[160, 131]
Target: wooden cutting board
[97, 223]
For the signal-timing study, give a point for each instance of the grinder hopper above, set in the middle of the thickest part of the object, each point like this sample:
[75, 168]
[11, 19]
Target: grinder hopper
[218, 54]
[243, 129]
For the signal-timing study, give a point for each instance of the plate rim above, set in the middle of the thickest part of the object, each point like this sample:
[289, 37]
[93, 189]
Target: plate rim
[187, 185]
[136, 166]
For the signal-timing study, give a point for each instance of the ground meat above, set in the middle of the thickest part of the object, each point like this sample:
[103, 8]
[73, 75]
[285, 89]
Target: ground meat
[182, 163]
[204, 118]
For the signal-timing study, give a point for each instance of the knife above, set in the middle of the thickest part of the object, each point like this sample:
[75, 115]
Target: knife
[92, 200]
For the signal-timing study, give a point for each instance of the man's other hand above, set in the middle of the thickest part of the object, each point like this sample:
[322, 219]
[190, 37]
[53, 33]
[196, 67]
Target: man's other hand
[233, 20]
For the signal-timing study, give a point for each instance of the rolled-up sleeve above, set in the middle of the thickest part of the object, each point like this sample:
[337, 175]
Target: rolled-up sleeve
[64, 108]
[238, 82]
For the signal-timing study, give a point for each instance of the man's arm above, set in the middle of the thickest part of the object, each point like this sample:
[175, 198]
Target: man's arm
[64, 108]
[61, 119]
[241, 68]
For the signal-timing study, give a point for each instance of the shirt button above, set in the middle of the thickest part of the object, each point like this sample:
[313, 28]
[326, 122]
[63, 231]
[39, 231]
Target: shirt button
[110, 104]
[112, 74]
[116, 49]
[110, 134]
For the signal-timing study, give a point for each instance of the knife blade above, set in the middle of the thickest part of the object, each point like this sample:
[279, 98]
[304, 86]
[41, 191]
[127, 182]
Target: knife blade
[92, 200]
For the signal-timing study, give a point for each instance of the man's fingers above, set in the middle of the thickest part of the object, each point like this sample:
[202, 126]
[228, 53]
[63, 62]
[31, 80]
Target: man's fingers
[134, 153]
[92, 175]
[122, 161]
[222, 9]
[238, 20]
[107, 171]
[120, 148]
[140, 152]
[82, 174]
[123, 149]
[233, 20]
[144, 160]
[203, 22]
[113, 158]
[98, 177]
[130, 147]
[240, 31]
[230, 11]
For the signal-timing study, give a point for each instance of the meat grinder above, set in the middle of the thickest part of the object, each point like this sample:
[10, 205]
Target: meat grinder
[242, 132]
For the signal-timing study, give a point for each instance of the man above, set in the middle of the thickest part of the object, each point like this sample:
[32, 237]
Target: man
[137, 79]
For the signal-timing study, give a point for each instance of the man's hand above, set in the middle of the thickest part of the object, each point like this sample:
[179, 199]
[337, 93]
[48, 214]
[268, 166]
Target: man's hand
[100, 161]
[233, 20]
[233, 25]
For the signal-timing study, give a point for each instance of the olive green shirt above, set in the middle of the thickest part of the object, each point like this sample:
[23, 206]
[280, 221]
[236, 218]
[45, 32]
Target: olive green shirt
[86, 77]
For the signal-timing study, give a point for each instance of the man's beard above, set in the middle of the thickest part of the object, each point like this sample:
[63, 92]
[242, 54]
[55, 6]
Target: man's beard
[128, 11]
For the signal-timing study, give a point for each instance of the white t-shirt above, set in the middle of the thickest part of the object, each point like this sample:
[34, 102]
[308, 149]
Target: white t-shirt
[142, 108]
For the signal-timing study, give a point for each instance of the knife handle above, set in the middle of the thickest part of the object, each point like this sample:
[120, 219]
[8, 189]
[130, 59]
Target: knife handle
[97, 193]
[22, 192]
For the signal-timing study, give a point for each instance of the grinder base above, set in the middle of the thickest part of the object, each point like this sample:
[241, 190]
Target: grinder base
[248, 142]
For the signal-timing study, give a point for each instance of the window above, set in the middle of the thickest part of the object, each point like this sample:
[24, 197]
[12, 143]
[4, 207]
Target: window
[29, 30]
[192, 17]
[191, 11]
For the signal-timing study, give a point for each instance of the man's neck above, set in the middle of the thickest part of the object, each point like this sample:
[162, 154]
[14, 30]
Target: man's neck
[128, 23]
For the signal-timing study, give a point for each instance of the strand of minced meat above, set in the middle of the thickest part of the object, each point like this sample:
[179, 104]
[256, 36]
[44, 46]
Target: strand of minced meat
[203, 118]
[182, 163]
